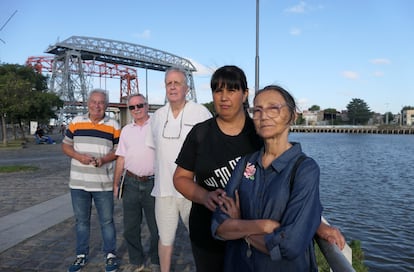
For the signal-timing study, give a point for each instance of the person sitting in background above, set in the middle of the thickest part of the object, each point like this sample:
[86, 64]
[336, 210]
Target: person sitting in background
[41, 138]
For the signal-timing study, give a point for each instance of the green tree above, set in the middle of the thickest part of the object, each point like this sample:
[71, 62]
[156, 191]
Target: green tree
[210, 107]
[358, 112]
[407, 108]
[330, 110]
[330, 114]
[24, 96]
[314, 108]
[300, 120]
[388, 116]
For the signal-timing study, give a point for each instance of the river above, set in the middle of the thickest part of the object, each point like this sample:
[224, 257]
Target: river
[367, 190]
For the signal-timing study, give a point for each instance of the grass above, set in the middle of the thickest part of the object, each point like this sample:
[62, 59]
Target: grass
[17, 168]
[357, 258]
[13, 144]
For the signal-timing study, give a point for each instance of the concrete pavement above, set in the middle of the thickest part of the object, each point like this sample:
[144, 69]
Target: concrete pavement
[36, 218]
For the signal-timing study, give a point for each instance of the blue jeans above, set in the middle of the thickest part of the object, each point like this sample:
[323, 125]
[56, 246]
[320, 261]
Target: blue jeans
[82, 205]
[137, 199]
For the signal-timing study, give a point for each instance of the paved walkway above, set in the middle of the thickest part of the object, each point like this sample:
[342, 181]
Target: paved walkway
[36, 218]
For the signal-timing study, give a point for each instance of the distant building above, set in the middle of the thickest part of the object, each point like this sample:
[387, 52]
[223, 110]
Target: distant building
[408, 117]
[396, 120]
[343, 115]
[376, 119]
[312, 118]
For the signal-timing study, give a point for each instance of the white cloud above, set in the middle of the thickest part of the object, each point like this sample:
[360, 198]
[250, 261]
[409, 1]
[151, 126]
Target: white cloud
[350, 75]
[201, 69]
[145, 35]
[302, 104]
[380, 61]
[299, 8]
[303, 7]
[295, 31]
[378, 74]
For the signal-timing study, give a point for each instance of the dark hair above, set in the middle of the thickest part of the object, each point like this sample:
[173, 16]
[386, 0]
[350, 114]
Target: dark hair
[290, 101]
[230, 77]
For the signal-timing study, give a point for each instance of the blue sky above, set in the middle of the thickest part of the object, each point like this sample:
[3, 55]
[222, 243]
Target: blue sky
[324, 52]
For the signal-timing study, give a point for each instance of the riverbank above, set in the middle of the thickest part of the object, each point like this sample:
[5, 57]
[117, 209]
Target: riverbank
[353, 129]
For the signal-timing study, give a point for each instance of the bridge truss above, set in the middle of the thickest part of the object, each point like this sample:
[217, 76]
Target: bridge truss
[77, 58]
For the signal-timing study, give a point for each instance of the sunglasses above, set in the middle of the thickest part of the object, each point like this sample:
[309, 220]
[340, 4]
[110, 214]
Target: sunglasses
[138, 106]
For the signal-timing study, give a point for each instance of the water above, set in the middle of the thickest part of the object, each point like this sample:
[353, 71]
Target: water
[367, 190]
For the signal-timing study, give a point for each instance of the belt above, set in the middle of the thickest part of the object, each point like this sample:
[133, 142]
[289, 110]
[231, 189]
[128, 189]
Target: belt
[139, 178]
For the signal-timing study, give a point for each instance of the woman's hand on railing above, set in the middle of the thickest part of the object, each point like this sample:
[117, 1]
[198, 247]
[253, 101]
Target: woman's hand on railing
[332, 234]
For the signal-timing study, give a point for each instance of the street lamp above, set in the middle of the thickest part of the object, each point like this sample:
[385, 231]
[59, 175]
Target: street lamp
[256, 83]
[386, 113]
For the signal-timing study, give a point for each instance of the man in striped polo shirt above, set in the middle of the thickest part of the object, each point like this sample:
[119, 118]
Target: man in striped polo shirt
[91, 141]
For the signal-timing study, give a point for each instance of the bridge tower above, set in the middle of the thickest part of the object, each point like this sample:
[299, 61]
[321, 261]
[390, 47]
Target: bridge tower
[77, 57]
[70, 53]
[71, 79]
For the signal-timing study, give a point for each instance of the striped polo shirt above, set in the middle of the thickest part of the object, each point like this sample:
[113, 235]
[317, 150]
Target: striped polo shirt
[96, 140]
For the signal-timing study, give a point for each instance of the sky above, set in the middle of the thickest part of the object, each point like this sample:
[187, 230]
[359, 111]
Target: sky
[324, 52]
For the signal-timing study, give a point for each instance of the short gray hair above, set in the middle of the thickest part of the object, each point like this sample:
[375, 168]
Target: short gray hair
[137, 95]
[177, 69]
[100, 91]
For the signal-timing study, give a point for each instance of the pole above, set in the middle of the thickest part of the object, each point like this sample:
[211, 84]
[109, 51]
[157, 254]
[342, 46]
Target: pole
[146, 84]
[256, 84]
[386, 114]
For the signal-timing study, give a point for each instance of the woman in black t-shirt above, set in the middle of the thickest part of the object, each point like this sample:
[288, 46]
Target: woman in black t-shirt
[210, 153]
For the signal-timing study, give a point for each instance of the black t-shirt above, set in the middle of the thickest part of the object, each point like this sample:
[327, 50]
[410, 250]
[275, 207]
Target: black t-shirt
[212, 156]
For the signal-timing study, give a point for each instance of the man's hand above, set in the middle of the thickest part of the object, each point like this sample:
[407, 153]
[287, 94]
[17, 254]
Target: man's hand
[97, 162]
[86, 159]
[116, 186]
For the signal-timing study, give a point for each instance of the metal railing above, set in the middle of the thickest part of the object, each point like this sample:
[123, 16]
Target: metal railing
[339, 261]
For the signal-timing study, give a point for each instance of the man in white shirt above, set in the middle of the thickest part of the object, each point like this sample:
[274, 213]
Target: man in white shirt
[169, 128]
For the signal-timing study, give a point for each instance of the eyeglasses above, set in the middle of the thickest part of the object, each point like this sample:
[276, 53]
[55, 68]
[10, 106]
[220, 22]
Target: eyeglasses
[165, 125]
[137, 106]
[271, 112]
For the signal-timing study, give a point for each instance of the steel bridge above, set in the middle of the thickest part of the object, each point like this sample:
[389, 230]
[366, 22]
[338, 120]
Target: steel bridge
[77, 58]
[128, 76]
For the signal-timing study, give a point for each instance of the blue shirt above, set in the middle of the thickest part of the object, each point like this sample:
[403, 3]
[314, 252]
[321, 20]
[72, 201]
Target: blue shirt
[266, 195]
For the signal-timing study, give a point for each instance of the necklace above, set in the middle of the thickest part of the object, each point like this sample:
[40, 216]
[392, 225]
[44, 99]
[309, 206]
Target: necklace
[166, 122]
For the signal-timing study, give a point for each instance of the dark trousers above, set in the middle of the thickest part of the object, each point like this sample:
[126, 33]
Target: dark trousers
[208, 260]
[136, 200]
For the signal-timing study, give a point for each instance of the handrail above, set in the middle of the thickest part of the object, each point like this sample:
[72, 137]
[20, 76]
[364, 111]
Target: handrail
[334, 256]
[339, 261]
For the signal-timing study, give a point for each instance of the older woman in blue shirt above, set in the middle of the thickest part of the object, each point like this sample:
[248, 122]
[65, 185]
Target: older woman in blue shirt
[269, 223]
